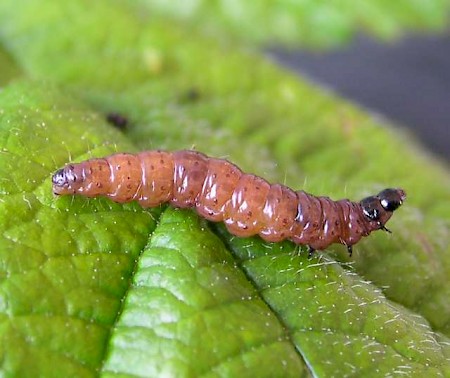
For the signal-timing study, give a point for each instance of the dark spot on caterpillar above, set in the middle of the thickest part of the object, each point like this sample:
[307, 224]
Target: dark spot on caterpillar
[117, 120]
[220, 191]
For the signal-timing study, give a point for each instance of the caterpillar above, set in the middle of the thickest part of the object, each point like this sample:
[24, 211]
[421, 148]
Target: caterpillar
[220, 192]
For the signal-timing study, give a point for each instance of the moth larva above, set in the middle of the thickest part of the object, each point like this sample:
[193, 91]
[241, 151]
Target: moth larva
[221, 192]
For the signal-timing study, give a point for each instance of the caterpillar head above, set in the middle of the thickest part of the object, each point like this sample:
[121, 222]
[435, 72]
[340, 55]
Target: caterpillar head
[68, 180]
[378, 209]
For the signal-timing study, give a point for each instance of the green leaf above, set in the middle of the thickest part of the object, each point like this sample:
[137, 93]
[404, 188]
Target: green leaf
[84, 286]
[89, 287]
[192, 311]
[8, 70]
[216, 315]
[312, 23]
[65, 264]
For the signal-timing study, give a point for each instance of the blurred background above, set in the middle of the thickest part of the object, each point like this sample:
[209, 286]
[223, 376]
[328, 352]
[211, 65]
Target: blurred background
[407, 81]
[390, 57]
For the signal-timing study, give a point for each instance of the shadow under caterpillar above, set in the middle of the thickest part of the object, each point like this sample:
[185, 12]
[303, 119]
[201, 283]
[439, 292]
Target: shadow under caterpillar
[221, 192]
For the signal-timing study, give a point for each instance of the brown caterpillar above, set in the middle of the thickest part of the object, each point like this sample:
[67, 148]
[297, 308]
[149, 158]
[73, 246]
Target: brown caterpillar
[220, 191]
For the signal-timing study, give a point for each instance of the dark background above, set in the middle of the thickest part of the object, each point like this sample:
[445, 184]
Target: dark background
[407, 81]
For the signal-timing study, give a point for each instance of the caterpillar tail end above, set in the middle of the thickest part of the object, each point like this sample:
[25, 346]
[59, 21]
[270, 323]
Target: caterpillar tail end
[64, 181]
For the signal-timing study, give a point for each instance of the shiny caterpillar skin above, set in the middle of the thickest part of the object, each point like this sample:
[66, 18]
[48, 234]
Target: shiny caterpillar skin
[220, 191]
